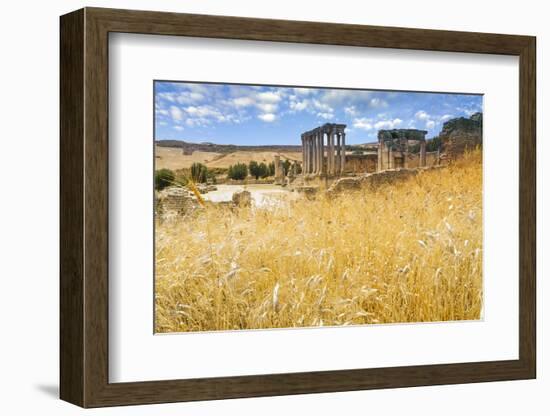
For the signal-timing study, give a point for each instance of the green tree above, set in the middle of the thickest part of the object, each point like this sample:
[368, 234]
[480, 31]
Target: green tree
[199, 172]
[237, 172]
[434, 144]
[286, 166]
[264, 170]
[254, 169]
[271, 168]
[163, 178]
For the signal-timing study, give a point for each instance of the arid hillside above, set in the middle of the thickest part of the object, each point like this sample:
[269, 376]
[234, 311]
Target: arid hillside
[174, 158]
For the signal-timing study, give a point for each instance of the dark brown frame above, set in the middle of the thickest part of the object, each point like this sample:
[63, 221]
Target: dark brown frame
[84, 207]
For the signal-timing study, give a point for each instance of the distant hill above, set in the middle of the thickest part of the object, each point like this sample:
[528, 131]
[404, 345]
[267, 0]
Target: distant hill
[189, 147]
[220, 156]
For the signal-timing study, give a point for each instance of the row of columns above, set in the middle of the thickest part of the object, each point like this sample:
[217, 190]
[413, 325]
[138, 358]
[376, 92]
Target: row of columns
[313, 150]
[386, 158]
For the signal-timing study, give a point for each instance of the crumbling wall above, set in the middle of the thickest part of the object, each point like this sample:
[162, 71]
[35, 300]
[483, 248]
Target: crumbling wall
[174, 201]
[460, 134]
[361, 163]
[374, 180]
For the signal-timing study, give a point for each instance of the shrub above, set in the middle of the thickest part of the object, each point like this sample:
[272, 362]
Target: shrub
[238, 171]
[254, 169]
[286, 167]
[199, 173]
[264, 170]
[163, 178]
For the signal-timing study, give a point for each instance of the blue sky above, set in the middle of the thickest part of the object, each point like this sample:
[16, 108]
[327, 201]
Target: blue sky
[252, 115]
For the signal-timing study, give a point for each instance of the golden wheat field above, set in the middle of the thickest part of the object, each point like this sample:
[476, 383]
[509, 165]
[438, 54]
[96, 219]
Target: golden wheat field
[406, 252]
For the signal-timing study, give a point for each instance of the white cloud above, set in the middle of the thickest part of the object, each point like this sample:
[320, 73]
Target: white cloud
[377, 103]
[351, 110]
[326, 116]
[202, 111]
[267, 107]
[179, 128]
[299, 105]
[268, 117]
[243, 101]
[322, 106]
[169, 96]
[363, 123]
[422, 115]
[176, 113]
[388, 124]
[430, 124]
[348, 96]
[445, 117]
[303, 91]
[269, 97]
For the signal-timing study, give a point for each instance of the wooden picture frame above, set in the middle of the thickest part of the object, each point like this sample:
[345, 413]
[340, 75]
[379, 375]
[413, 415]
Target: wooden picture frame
[84, 207]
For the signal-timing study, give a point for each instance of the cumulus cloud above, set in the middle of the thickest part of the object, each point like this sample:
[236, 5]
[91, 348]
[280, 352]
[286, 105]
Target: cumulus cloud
[445, 117]
[363, 123]
[334, 97]
[430, 124]
[299, 105]
[388, 124]
[422, 115]
[269, 97]
[176, 113]
[351, 110]
[326, 116]
[303, 91]
[268, 117]
[377, 103]
[243, 101]
[267, 107]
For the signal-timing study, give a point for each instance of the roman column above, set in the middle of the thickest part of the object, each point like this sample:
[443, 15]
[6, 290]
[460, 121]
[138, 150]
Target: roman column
[312, 155]
[322, 152]
[423, 153]
[304, 163]
[317, 150]
[338, 154]
[390, 157]
[380, 151]
[343, 155]
[303, 154]
[331, 152]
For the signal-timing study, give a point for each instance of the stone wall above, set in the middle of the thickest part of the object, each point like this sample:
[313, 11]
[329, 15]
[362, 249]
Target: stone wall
[460, 134]
[373, 180]
[174, 201]
[360, 163]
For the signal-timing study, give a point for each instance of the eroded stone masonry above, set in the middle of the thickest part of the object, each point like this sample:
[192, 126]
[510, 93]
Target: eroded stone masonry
[323, 150]
[325, 158]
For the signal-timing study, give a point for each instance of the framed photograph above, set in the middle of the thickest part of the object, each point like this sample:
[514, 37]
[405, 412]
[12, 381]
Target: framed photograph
[255, 207]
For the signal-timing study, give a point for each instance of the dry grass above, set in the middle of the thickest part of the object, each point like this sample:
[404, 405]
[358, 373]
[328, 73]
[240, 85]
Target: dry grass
[408, 252]
[173, 158]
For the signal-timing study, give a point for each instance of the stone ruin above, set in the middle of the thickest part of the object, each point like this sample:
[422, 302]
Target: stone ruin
[174, 201]
[279, 170]
[394, 146]
[323, 150]
[460, 134]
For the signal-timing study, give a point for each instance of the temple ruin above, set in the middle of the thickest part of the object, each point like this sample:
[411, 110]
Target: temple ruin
[317, 160]
[394, 148]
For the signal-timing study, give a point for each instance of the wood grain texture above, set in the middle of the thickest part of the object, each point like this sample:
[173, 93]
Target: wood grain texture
[84, 207]
[71, 208]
